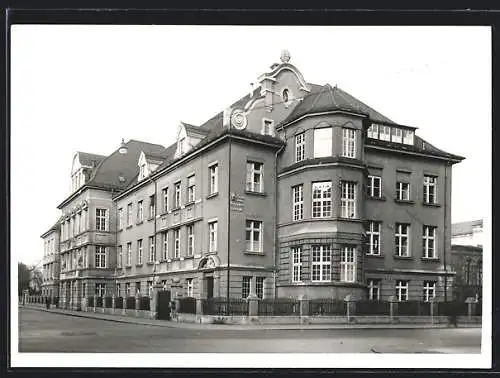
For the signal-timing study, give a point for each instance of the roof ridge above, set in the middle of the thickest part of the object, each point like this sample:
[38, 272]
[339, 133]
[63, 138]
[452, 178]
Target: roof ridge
[141, 141]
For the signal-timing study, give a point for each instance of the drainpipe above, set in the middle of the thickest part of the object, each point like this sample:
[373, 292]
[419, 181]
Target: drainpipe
[444, 231]
[275, 236]
[229, 212]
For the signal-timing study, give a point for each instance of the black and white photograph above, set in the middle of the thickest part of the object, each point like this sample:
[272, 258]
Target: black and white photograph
[250, 196]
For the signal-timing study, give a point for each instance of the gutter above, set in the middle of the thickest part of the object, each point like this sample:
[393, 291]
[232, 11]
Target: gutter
[275, 236]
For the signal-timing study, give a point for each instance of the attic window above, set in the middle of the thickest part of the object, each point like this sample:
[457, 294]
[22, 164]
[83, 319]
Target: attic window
[182, 142]
[285, 96]
[142, 171]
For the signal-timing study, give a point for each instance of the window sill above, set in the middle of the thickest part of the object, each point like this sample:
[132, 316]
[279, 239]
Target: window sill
[188, 257]
[431, 204]
[128, 266]
[430, 259]
[374, 255]
[403, 257]
[212, 195]
[354, 219]
[150, 263]
[151, 219]
[190, 203]
[175, 209]
[138, 265]
[138, 223]
[120, 229]
[254, 253]
[381, 198]
[128, 227]
[404, 202]
[252, 193]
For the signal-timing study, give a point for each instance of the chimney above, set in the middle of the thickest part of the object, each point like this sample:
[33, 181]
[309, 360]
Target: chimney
[226, 121]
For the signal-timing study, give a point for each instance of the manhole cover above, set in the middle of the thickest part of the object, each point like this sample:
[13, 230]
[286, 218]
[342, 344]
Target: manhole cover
[78, 334]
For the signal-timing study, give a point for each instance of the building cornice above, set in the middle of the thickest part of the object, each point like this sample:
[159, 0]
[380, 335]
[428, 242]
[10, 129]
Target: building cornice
[453, 158]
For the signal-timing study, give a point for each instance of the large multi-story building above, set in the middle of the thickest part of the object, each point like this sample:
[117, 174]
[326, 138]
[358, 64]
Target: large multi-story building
[50, 262]
[295, 189]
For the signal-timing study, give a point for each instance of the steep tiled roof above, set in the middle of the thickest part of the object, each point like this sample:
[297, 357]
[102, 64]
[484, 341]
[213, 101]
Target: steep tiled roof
[88, 159]
[117, 170]
[55, 227]
[327, 98]
[462, 228]
[195, 129]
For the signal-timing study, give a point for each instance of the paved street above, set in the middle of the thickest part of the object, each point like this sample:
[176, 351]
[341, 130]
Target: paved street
[41, 331]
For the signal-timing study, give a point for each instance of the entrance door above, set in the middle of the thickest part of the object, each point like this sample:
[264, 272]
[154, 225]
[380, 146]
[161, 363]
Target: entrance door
[210, 287]
[163, 305]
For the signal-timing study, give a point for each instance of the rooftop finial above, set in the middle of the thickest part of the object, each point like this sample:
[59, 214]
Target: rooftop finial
[285, 56]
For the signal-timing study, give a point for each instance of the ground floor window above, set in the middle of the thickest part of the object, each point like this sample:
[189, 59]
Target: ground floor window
[137, 287]
[127, 289]
[373, 289]
[402, 290]
[118, 290]
[429, 290]
[245, 288]
[190, 291]
[321, 262]
[100, 289]
[259, 287]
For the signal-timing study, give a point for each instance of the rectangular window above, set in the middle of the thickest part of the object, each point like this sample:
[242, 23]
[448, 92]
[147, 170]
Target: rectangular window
[152, 206]
[323, 142]
[322, 199]
[396, 135]
[164, 235]
[177, 195]
[373, 131]
[429, 290]
[129, 214]
[300, 147]
[150, 288]
[140, 212]
[321, 262]
[348, 264]
[190, 239]
[100, 256]
[137, 287]
[402, 239]
[349, 143]
[374, 186]
[373, 290]
[255, 181]
[152, 251]
[127, 289]
[298, 202]
[253, 236]
[296, 264]
[408, 137]
[385, 133]
[212, 237]
[177, 243]
[402, 290]
[100, 289]
[245, 286]
[191, 189]
[139, 251]
[165, 199]
[403, 191]
[78, 228]
[214, 179]
[118, 290]
[190, 288]
[120, 218]
[429, 242]
[129, 254]
[259, 287]
[430, 189]
[268, 127]
[373, 234]
[120, 256]
[348, 199]
[101, 219]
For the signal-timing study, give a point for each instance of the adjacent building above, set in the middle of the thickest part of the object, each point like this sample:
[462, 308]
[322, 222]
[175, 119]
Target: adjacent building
[467, 259]
[294, 189]
[50, 261]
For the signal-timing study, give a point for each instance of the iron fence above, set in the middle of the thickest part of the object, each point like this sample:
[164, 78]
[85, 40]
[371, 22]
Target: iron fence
[372, 308]
[98, 301]
[144, 303]
[108, 302]
[130, 303]
[279, 307]
[413, 308]
[187, 305]
[479, 309]
[119, 302]
[327, 306]
[90, 301]
[452, 308]
[221, 306]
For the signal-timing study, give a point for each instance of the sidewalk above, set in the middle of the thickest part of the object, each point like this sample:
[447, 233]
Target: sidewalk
[249, 327]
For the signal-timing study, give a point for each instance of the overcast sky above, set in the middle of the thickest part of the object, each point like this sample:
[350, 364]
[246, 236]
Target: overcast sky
[83, 88]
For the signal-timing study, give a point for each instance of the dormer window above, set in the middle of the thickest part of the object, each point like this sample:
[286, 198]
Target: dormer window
[182, 147]
[267, 127]
[142, 171]
[391, 134]
[408, 137]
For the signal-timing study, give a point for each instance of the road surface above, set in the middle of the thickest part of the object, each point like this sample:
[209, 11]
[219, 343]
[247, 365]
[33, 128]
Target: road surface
[41, 331]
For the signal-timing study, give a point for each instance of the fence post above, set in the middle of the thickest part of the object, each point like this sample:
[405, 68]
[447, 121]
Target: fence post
[113, 303]
[349, 300]
[153, 305]
[95, 301]
[199, 306]
[124, 306]
[431, 308]
[304, 308]
[471, 302]
[253, 305]
[137, 303]
[392, 307]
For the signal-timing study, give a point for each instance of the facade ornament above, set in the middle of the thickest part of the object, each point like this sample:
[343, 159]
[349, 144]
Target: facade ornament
[285, 56]
[239, 119]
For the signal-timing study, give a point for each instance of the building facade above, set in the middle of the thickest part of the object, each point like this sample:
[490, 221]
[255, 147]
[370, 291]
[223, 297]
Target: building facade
[50, 267]
[295, 189]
